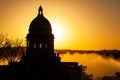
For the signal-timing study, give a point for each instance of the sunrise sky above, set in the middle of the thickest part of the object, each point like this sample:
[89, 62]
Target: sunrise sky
[77, 24]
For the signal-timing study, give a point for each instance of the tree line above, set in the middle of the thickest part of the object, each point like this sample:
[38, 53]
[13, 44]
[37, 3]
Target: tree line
[10, 49]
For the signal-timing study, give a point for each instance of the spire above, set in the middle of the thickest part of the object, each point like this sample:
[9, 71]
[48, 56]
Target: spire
[40, 10]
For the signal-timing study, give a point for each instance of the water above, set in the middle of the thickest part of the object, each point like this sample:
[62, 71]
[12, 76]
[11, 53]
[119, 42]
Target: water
[96, 64]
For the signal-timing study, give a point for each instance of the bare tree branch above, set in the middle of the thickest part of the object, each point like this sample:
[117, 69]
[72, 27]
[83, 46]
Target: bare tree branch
[10, 50]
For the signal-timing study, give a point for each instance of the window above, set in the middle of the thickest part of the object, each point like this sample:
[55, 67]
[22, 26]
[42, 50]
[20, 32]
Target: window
[34, 45]
[40, 45]
[46, 46]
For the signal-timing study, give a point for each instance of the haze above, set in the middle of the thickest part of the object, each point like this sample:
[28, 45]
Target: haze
[84, 24]
[96, 64]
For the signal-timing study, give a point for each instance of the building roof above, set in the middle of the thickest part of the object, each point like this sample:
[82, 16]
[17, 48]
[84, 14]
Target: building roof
[40, 23]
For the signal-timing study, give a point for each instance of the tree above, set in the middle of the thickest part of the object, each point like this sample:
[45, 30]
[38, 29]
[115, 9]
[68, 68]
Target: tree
[86, 76]
[117, 75]
[10, 50]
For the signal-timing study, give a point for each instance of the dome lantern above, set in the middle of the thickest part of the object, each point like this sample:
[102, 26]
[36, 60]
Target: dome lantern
[40, 11]
[40, 23]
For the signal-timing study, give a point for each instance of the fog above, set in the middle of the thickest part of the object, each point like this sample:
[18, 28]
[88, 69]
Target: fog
[96, 64]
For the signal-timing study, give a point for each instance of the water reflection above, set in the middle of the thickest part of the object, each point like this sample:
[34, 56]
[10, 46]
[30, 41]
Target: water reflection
[96, 64]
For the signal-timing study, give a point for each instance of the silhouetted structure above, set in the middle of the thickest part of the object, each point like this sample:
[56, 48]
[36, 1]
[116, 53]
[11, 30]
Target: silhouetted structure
[117, 76]
[40, 61]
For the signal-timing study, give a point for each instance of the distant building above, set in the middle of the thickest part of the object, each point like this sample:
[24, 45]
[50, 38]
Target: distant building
[40, 61]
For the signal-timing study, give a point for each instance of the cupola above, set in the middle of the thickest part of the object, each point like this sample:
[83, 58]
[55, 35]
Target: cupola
[40, 23]
[40, 39]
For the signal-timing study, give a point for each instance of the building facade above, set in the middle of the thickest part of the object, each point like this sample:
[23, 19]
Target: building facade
[40, 61]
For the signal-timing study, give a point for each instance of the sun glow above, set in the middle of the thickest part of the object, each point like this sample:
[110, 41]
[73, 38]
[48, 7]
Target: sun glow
[58, 32]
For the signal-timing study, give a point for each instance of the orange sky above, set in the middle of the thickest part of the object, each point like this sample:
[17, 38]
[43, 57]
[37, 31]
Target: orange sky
[80, 24]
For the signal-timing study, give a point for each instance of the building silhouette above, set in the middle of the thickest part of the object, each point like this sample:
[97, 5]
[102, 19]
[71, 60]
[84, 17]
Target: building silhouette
[40, 61]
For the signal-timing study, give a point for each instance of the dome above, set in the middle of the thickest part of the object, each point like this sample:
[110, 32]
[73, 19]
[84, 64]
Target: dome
[40, 23]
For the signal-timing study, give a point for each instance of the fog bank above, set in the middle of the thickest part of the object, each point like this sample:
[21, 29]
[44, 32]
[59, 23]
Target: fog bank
[96, 64]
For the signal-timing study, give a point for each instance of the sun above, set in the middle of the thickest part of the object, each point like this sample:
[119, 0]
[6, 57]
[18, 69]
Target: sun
[58, 32]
